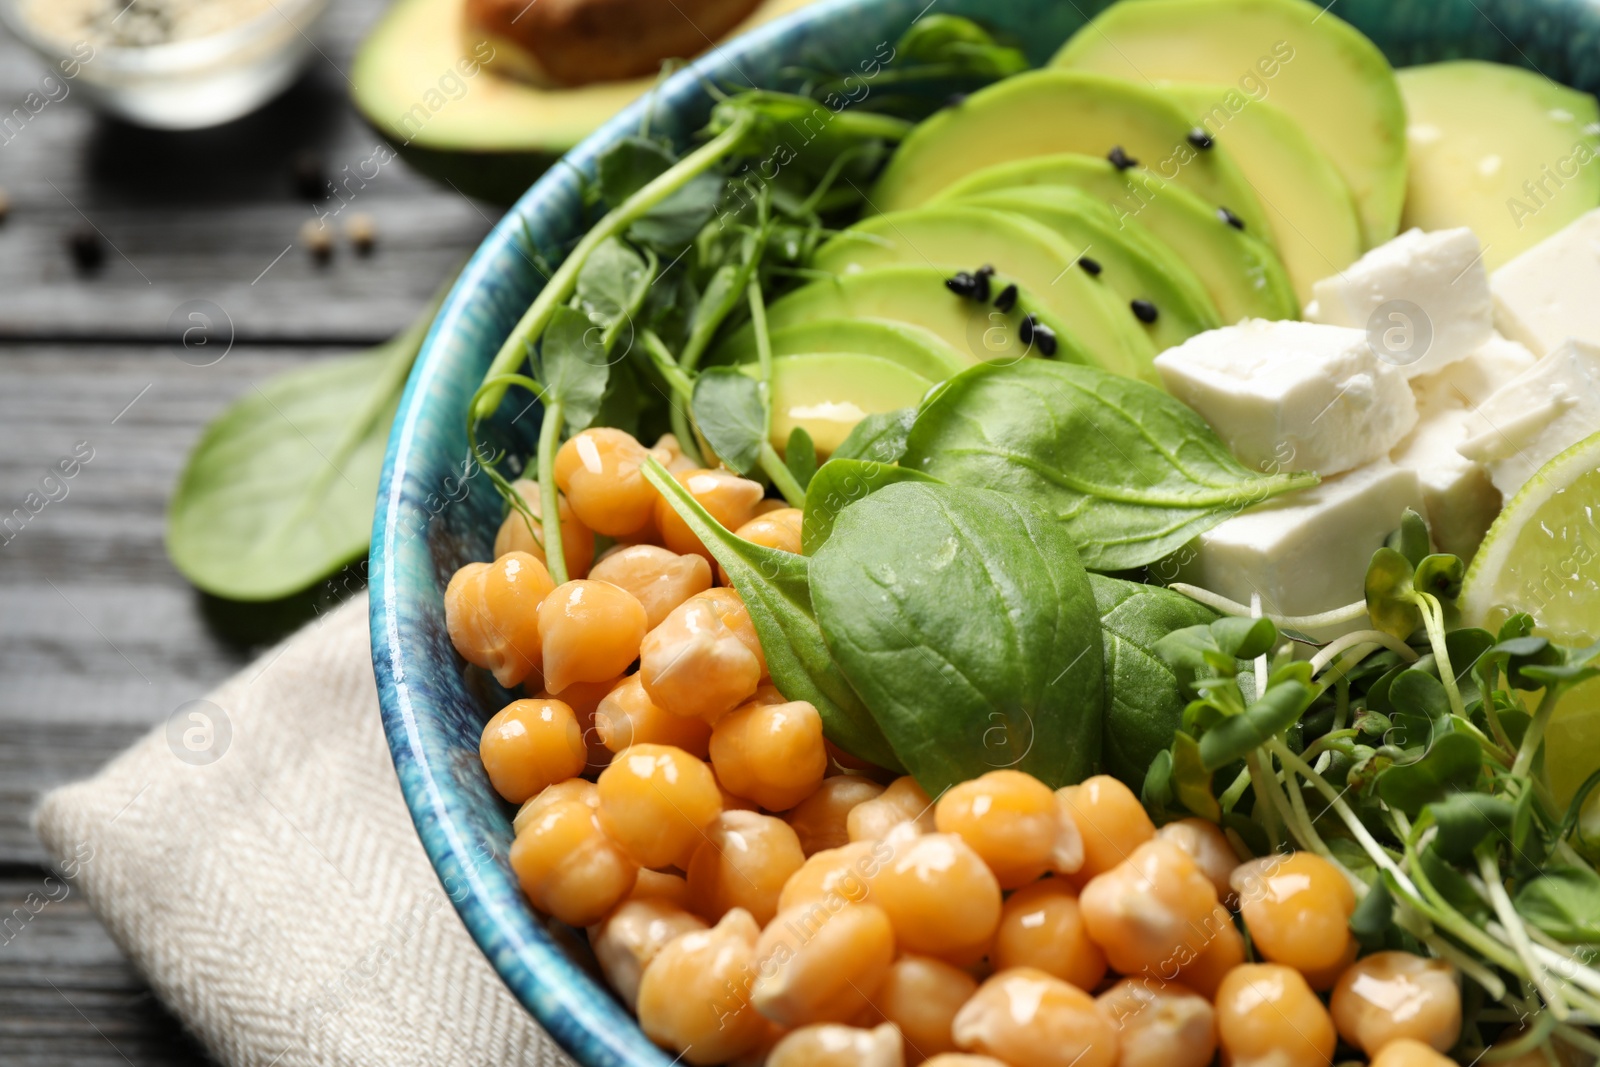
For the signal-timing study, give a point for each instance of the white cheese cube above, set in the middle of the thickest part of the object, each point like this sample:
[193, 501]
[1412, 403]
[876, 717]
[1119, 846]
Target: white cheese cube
[1461, 500]
[1536, 416]
[1305, 552]
[1292, 395]
[1439, 274]
[1473, 380]
[1548, 293]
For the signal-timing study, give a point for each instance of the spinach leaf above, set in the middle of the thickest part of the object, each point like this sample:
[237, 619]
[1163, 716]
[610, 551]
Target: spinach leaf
[1131, 472]
[775, 588]
[1143, 704]
[574, 366]
[965, 621]
[880, 438]
[728, 409]
[838, 484]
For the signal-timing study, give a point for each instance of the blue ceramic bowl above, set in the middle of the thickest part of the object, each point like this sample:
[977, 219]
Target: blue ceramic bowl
[431, 519]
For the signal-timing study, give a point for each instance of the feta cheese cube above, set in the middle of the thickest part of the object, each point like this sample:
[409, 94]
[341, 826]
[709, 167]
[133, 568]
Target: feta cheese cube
[1441, 274]
[1547, 294]
[1292, 395]
[1473, 380]
[1305, 552]
[1536, 416]
[1460, 499]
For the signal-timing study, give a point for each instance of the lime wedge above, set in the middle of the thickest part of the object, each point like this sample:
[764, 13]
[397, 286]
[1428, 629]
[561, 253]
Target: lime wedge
[1542, 556]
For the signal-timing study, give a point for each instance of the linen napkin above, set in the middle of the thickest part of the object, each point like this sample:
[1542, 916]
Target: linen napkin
[254, 859]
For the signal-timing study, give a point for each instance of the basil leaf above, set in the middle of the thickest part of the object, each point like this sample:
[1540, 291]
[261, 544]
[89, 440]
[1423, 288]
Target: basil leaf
[838, 484]
[776, 591]
[880, 438]
[728, 410]
[1131, 472]
[1564, 902]
[574, 366]
[1452, 764]
[967, 624]
[800, 456]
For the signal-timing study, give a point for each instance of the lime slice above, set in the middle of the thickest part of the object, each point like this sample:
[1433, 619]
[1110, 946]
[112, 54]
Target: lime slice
[1542, 556]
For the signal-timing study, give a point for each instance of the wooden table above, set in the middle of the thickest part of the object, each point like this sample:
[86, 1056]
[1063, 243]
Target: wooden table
[99, 636]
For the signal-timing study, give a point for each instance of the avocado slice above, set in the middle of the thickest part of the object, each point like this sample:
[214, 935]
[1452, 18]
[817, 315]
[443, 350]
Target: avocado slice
[1244, 276]
[914, 295]
[829, 392]
[919, 351]
[420, 84]
[1048, 111]
[1135, 265]
[1319, 69]
[1503, 150]
[1314, 221]
[960, 238]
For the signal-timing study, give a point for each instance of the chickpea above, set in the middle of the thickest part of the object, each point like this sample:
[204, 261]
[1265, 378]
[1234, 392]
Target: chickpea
[1029, 1019]
[821, 820]
[1268, 1017]
[1325, 978]
[491, 611]
[591, 631]
[731, 500]
[518, 535]
[1208, 846]
[731, 802]
[1160, 1025]
[630, 937]
[777, 528]
[838, 1046]
[1297, 908]
[698, 663]
[770, 753]
[584, 699]
[627, 716]
[599, 471]
[1014, 822]
[530, 745]
[834, 876]
[656, 801]
[1150, 910]
[567, 865]
[921, 996]
[1390, 996]
[1220, 950]
[821, 965]
[675, 461]
[904, 801]
[658, 579]
[1042, 928]
[663, 886]
[695, 995]
[1110, 820]
[1406, 1052]
[571, 789]
[961, 1059]
[743, 862]
[941, 897]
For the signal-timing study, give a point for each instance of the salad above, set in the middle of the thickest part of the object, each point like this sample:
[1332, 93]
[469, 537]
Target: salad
[1092, 568]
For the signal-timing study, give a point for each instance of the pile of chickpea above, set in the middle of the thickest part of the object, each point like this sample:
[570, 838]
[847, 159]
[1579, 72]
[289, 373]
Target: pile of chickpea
[757, 896]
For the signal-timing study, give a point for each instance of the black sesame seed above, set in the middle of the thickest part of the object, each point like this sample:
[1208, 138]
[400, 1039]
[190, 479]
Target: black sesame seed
[1026, 328]
[985, 271]
[1045, 338]
[87, 250]
[1230, 218]
[955, 100]
[980, 286]
[1200, 139]
[1091, 265]
[1120, 159]
[1007, 298]
[1144, 311]
[963, 284]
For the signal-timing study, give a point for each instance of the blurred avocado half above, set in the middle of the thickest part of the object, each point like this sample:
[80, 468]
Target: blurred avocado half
[486, 94]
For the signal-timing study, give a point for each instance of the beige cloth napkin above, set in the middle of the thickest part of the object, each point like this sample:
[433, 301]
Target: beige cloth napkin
[254, 858]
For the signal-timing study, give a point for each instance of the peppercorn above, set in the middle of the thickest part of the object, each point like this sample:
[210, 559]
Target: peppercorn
[963, 285]
[1230, 218]
[1091, 265]
[1007, 298]
[1045, 338]
[1120, 159]
[980, 279]
[1200, 138]
[1144, 310]
[86, 247]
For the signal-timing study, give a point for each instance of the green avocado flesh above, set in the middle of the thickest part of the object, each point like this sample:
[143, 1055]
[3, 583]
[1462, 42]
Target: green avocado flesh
[1045, 112]
[1318, 69]
[1243, 275]
[1135, 265]
[1314, 222]
[1503, 150]
[914, 348]
[829, 392]
[917, 296]
[958, 238]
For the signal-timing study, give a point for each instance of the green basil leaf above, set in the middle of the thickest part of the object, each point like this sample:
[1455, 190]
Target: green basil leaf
[1131, 472]
[800, 456]
[574, 366]
[880, 438]
[728, 410]
[1466, 819]
[1564, 902]
[1452, 764]
[965, 621]
[1279, 708]
[775, 587]
[838, 484]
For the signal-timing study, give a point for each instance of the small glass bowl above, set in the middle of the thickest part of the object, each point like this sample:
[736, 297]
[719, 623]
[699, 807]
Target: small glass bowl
[182, 85]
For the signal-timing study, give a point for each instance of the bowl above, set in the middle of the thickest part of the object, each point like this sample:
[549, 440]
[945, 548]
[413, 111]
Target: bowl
[179, 85]
[434, 513]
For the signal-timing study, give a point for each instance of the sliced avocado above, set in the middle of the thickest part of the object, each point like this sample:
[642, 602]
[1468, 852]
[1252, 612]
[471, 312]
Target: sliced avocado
[1319, 69]
[417, 81]
[915, 295]
[1133, 263]
[914, 348]
[1048, 111]
[829, 392]
[1314, 222]
[1503, 150]
[959, 238]
[1244, 276]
